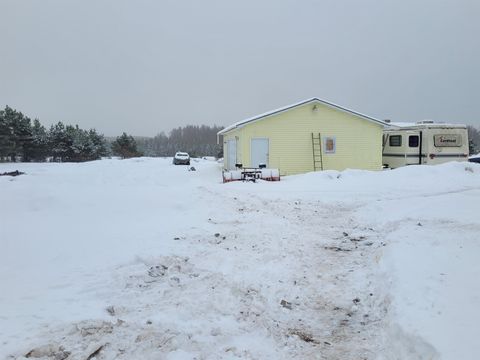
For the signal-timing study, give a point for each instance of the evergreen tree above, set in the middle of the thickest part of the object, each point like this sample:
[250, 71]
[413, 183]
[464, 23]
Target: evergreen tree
[76, 144]
[81, 148]
[99, 144]
[58, 142]
[84, 145]
[16, 134]
[125, 146]
[38, 148]
[5, 136]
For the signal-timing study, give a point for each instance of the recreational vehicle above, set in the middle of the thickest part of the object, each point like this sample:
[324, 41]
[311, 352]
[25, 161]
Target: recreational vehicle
[425, 142]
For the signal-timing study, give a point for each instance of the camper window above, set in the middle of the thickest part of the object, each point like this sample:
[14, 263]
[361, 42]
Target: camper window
[395, 140]
[413, 140]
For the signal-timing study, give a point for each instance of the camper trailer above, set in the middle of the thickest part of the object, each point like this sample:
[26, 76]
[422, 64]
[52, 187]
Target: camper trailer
[425, 142]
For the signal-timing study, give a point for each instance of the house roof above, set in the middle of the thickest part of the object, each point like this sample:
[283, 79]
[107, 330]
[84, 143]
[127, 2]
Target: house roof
[285, 108]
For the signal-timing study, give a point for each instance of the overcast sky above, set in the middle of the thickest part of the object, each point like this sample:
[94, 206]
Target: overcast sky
[148, 66]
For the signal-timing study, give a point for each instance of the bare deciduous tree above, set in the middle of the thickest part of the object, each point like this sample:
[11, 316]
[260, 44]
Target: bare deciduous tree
[197, 140]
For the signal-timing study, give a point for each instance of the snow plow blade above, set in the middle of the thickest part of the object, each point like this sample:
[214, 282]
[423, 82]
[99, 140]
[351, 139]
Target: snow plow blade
[251, 174]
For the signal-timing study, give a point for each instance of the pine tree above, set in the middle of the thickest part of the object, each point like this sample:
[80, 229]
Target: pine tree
[81, 148]
[5, 136]
[57, 142]
[17, 128]
[99, 144]
[38, 148]
[125, 146]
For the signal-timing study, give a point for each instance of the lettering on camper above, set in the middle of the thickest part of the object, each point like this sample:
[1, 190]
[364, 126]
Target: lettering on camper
[447, 140]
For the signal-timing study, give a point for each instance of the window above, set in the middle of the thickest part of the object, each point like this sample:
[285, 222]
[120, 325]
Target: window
[413, 140]
[329, 145]
[395, 140]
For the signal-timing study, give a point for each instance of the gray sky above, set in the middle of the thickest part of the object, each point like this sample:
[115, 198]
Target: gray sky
[148, 66]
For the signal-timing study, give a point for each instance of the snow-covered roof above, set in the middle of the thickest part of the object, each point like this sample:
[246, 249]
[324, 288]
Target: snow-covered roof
[402, 124]
[422, 125]
[285, 108]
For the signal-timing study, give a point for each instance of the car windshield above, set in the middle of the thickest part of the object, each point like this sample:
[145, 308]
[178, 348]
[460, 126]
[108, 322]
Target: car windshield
[182, 154]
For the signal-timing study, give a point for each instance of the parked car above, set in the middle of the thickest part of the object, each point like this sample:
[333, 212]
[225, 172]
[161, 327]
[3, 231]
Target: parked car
[475, 159]
[181, 158]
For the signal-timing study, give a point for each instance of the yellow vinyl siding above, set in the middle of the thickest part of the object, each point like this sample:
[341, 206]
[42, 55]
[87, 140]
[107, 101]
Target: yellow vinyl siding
[358, 141]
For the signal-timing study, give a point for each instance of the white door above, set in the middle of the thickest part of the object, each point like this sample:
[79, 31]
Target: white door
[231, 154]
[259, 152]
[412, 148]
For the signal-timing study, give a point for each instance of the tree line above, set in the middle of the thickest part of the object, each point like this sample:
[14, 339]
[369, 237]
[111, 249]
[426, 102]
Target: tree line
[22, 139]
[197, 140]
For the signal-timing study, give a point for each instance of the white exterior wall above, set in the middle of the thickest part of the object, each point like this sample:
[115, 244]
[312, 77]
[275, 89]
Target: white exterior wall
[396, 156]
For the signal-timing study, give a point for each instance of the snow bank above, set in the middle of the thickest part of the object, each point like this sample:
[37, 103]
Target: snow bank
[160, 262]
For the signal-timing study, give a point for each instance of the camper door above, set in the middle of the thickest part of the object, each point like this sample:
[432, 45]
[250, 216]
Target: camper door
[414, 148]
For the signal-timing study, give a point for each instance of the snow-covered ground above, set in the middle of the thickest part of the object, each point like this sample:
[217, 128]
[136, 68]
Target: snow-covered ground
[140, 259]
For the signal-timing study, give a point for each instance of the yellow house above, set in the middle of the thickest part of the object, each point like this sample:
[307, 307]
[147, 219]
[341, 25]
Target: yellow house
[307, 136]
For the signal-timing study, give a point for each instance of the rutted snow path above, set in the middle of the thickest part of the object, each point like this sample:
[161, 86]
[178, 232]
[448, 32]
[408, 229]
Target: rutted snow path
[225, 299]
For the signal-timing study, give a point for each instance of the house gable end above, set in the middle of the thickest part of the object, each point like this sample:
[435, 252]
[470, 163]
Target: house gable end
[293, 106]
